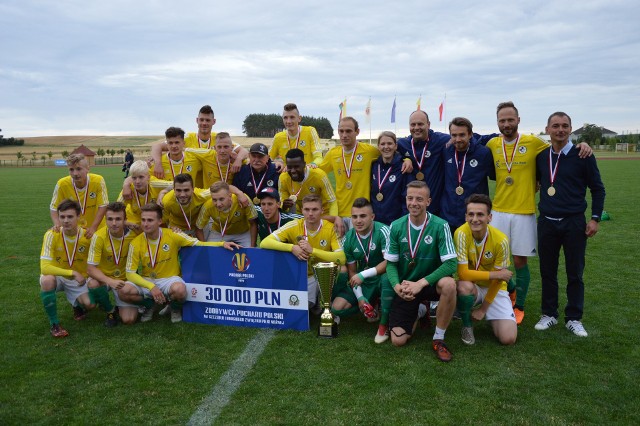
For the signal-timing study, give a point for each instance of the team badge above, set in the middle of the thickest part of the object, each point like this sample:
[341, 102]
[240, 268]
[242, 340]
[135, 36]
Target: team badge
[189, 168]
[392, 178]
[165, 247]
[428, 239]
[473, 163]
[81, 249]
[294, 300]
[240, 262]
[323, 243]
[312, 189]
[92, 195]
[237, 213]
[427, 154]
[497, 164]
[373, 246]
[116, 273]
[522, 149]
[270, 182]
[488, 255]
[303, 143]
[359, 157]
[194, 292]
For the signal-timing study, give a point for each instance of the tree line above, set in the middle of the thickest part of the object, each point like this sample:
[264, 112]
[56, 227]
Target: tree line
[267, 125]
[10, 141]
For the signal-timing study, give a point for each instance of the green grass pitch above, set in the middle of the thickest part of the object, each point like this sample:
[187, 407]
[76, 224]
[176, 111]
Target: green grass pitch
[159, 373]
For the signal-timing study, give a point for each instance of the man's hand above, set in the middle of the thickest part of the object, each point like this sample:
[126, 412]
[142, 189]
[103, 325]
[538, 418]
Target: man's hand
[407, 166]
[77, 276]
[237, 163]
[116, 284]
[243, 200]
[478, 314]
[412, 288]
[306, 246]
[157, 295]
[287, 204]
[502, 274]
[280, 167]
[231, 246]
[127, 193]
[355, 281]
[56, 228]
[592, 228]
[338, 226]
[585, 150]
[90, 231]
[299, 253]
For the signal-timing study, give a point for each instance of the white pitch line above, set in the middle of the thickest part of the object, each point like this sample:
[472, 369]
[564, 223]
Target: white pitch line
[220, 395]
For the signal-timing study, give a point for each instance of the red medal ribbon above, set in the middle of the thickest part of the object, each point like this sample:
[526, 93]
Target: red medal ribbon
[344, 163]
[553, 170]
[383, 180]
[484, 245]
[464, 160]
[422, 157]
[83, 205]
[513, 154]
[71, 258]
[153, 258]
[171, 162]
[116, 259]
[413, 250]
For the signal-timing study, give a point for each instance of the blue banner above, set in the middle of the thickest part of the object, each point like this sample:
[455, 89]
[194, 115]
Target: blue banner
[247, 288]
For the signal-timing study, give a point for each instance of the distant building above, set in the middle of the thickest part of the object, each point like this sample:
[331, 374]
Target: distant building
[89, 155]
[578, 132]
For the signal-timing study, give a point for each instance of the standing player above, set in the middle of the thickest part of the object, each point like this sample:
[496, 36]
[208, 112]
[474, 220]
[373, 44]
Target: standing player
[388, 183]
[107, 260]
[311, 239]
[295, 136]
[364, 247]
[259, 174]
[564, 179]
[182, 205]
[177, 160]
[483, 262]
[231, 222]
[216, 163]
[270, 217]
[88, 189]
[63, 266]
[155, 253]
[420, 261]
[514, 156]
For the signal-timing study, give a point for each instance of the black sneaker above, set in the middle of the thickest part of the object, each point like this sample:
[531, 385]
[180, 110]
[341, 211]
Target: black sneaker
[111, 320]
[79, 313]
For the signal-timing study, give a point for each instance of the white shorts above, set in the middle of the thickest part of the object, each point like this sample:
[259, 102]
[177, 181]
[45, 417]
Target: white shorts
[243, 239]
[120, 303]
[500, 308]
[312, 289]
[164, 284]
[71, 288]
[520, 229]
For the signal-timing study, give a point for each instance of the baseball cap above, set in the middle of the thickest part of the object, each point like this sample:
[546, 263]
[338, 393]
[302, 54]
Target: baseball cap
[259, 148]
[269, 192]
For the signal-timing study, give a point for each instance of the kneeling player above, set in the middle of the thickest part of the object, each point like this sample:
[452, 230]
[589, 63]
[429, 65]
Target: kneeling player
[63, 267]
[483, 259]
[155, 251]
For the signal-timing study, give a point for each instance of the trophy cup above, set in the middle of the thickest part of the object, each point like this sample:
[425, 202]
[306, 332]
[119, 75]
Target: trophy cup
[326, 274]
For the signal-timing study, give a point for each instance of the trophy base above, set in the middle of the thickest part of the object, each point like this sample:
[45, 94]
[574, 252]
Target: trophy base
[328, 331]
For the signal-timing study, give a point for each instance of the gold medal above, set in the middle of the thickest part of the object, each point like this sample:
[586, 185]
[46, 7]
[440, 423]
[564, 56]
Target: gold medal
[348, 185]
[256, 200]
[420, 176]
[459, 190]
[508, 180]
[551, 191]
[412, 264]
[379, 196]
[293, 198]
[153, 275]
[116, 273]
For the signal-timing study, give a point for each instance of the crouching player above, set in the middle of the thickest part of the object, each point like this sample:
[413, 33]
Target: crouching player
[483, 259]
[63, 267]
[364, 247]
[155, 251]
[107, 261]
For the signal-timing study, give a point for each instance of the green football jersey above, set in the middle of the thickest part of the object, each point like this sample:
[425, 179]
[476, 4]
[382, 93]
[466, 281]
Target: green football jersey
[366, 252]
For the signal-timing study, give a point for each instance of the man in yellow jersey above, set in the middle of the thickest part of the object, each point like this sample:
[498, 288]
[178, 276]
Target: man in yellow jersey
[231, 221]
[177, 161]
[514, 156]
[107, 261]
[311, 239]
[182, 205]
[155, 253]
[140, 189]
[299, 181]
[63, 267]
[483, 262]
[217, 163]
[304, 138]
[88, 189]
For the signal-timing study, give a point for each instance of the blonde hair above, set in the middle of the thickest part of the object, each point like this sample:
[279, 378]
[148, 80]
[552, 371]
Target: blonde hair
[139, 167]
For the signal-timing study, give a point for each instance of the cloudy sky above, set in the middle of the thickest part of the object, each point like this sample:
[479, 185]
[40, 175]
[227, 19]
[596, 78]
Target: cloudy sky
[137, 67]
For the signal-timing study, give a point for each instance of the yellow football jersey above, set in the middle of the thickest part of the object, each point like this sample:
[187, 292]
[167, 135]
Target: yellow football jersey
[110, 259]
[495, 252]
[189, 164]
[212, 171]
[308, 141]
[151, 196]
[315, 182]
[178, 216]
[57, 250]
[158, 259]
[90, 198]
[235, 221]
[516, 190]
[193, 141]
[358, 184]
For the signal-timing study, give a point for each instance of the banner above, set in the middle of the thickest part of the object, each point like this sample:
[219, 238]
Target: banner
[249, 287]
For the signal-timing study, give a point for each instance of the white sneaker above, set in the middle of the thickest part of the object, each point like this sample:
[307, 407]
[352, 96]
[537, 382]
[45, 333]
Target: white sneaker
[381, 338]
[165, 311]
[176, 315]
[576, 328]
[147, 315]
[467, 336]
[336, 319]
[545, 322]
[422, 310]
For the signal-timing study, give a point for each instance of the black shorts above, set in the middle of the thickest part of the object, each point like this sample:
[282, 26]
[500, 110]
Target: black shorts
[404, 313]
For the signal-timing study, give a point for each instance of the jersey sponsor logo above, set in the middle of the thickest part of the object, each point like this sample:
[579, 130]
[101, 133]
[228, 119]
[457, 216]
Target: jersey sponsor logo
[165, 247]
[323, 243]
[392, 178]
[522, 149]
[428, 239]
[473, 163]
[92, 195]
[359, 157]
[240, 262]
[189, 168]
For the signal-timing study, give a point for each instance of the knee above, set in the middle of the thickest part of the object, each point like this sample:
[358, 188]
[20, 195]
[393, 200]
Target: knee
[48, 283]
[507, 340]
[178, 291]
[464, 288]
[128, 320]
[447, 286]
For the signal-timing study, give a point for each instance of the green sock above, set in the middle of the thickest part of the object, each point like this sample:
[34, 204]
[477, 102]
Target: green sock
[511, 285]
[345, 312]
[523, 278]
[50, 306]
[385, 304]
[465, 303]
[147, 303]
[100, 295]
[175, 305]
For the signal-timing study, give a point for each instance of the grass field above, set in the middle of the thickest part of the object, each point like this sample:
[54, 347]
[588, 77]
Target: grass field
[159, 373]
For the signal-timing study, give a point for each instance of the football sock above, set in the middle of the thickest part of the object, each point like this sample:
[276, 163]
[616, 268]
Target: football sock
[345, 312]
[511, 285]
[439, 334]
[147, 303]
[385, 304]
[100, 295]
[358, 292]
[523, 277]
[50, 307]
[465, 303]
[175, 305]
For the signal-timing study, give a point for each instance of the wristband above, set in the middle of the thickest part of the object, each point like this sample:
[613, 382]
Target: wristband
[369, 273]
[359, 275]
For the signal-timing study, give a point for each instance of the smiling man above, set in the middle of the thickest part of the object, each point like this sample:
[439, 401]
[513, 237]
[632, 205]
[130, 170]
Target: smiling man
[270, 217]
[177, 161]
[295, 136]
[259, 174]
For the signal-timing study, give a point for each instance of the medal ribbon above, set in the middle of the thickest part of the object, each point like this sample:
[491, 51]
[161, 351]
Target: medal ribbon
[464, 160]
[208, 142]
[185, 215]
[306, 233]
[553, 170]
[171, 162]
[422, 158]
[258, 186]
[513, 154]
[116, 259]
[83, 205]
[269, 225]
[75, 245]
[226, 222]
[226, 175]
[344, 163]
[484, 245]
[306, 174]
[153, 258]
[146, 197]
[297, 140]
[382, 181]
[413, 250]
[368, 251]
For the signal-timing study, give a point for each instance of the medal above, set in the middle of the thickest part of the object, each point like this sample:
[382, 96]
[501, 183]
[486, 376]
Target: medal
[381, 181]
[379, 196]
[348, 185]
[226, 175]
[551, 191]
[459, 190]
[420, 176]
[508, 180]
[153, 257]
[413, 249]
[347, 171]
[256, 200]
[186, 220]
[116, 273]
[116, 256]
[82, 222]
[293, 198]
[412, 264]
[552, 173]
[368, 251]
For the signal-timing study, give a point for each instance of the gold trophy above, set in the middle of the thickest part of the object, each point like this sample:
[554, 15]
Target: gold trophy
[326, 274]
